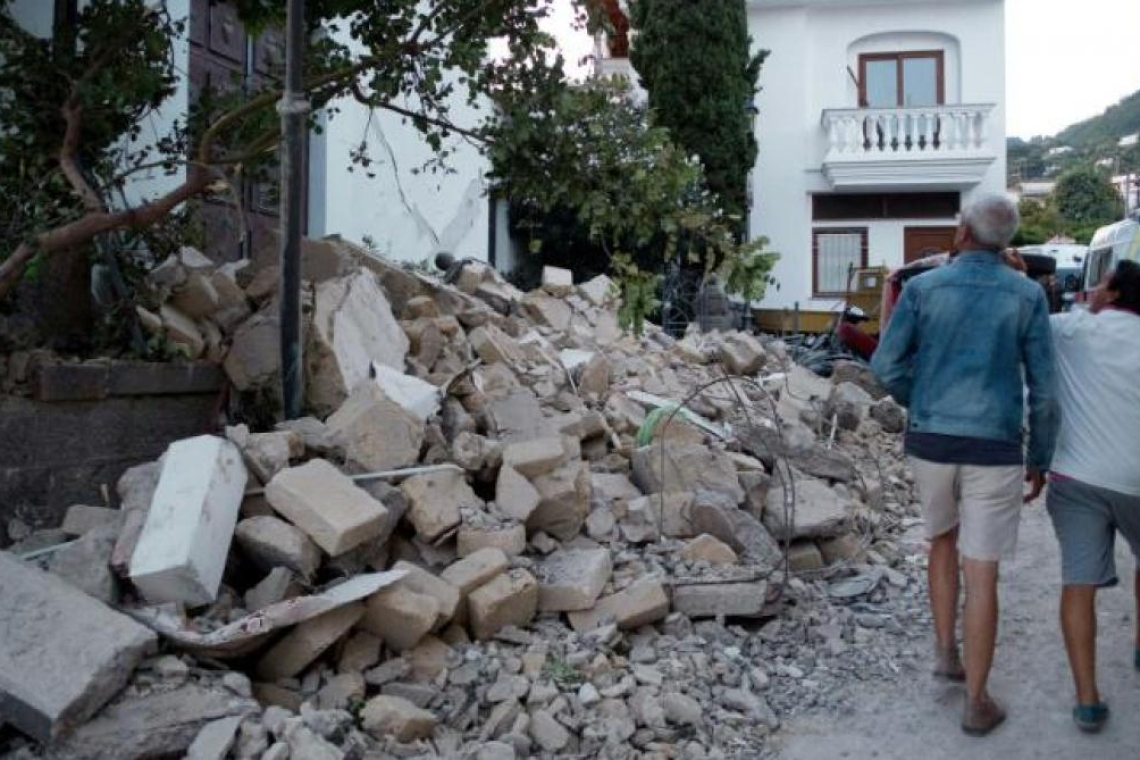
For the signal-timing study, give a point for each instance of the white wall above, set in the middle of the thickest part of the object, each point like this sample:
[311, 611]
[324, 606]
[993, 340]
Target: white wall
[37, 15]
[811, 47]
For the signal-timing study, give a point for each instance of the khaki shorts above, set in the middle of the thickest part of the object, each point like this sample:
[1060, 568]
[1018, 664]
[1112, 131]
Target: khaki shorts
[984, 503]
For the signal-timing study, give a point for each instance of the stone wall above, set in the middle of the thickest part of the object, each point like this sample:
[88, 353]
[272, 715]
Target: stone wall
[84, 424]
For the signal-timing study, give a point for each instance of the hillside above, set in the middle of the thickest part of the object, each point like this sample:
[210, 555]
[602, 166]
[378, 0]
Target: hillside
[1095, 140]
[1116, 122]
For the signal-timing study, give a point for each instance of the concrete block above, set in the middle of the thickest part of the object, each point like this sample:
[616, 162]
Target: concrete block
[385, 716]
[514, 495]
[573, 580]
[706, 548]
[360, 652]
[510, 539]
[509, 599]
[327, 506]
[181, 552]
[557, 280]
[641, 603]
[197, 298]
[804, 556]
[306, 642]
[182, 331]
[86, 564]
[376, 432]
[271, 543]
[423, 582]
[215, 739]
[598, 290]
[436, 500]
[63, 655]
[716, 599]
[537, 457]
[565, 501]
[400, 616]
[473, 571]
[418, 398]
[353, 327]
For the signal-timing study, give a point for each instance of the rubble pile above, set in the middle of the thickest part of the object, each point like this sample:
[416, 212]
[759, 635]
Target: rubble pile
[507, 530]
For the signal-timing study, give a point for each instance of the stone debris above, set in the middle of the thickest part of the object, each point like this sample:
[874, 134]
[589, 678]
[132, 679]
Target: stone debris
[181, 552]
[63, 655]
[571, 576]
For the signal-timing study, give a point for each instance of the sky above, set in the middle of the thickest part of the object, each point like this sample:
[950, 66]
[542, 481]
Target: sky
[1066, 60]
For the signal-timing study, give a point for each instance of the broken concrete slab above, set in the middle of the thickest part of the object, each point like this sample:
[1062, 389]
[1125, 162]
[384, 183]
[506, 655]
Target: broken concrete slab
[517, 417]
[182, 331]
[181, 552]
[307, 642]
[641, 603]
[819, 512]
[215, 739]
[272, 543]
[63, 655]
[508, 599]
[436, 500]
[573, 580]
[254, 357]
[353, 327]
[86, 563]
[720, 599]
[151, 724]
[327, 506]
[547, 310]
[739, 529]
[375, 432]
[705, 472]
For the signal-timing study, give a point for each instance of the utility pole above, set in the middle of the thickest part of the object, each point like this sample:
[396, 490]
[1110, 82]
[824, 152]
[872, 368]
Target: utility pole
[294, 109]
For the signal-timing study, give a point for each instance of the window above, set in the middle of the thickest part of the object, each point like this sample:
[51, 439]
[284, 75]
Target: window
[893, 80]
[834, 253]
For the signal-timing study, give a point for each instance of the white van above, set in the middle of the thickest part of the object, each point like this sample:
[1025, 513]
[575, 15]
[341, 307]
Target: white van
[1110, 244]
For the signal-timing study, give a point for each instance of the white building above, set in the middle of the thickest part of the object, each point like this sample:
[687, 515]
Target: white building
[879, 120]
[405, 213]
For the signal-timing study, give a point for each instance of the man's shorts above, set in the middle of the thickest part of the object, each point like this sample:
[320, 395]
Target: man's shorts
[984, 503]
[1086, 519]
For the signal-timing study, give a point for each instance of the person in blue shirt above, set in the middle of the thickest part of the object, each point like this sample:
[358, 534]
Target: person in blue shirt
[964, 343]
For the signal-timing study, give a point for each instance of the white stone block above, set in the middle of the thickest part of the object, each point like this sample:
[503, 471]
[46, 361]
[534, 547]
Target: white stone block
[182, 550]
[421, 399]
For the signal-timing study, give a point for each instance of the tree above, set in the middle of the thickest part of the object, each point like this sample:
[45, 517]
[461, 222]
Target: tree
[590, 155]
[60, 156]
[695, 61]
[1085, 198]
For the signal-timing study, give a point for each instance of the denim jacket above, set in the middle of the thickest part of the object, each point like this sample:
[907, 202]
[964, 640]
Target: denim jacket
[963, 343]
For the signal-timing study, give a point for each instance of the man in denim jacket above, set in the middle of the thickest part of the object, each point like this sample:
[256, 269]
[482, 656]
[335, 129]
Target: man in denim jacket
[963, 343]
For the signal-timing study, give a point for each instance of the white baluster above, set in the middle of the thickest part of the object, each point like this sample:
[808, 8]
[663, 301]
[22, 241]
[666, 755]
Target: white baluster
[983, 129]
[890, 132]
[930, 119]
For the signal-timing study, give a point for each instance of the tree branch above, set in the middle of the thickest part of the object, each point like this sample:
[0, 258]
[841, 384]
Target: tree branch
[88, 226]
[72, 112]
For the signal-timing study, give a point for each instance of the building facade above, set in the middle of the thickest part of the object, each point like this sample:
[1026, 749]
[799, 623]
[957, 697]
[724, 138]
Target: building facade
[879, 120]
[404, 213]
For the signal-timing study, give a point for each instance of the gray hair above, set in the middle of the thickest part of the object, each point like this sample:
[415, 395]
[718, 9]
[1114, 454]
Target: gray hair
[992, 220]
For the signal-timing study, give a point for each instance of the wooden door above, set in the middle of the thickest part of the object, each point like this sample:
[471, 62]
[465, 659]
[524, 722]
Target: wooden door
[224, 57]
[920, 242]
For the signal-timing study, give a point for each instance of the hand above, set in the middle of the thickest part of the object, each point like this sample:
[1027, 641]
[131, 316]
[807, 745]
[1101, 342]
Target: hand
[1036, 480]
[1012, 259]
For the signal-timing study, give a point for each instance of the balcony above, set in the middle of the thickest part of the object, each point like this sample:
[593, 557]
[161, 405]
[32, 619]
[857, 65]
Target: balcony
[934, 148]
